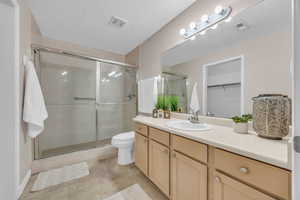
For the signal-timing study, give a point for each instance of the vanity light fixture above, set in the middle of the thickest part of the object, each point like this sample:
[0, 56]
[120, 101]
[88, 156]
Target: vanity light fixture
[228, 19]
[207, 22]
[193, 37]
[214, 26]
[64, 73]
[182, 31]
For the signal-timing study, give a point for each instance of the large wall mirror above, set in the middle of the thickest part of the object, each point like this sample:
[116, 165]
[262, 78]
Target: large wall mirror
[249, 56]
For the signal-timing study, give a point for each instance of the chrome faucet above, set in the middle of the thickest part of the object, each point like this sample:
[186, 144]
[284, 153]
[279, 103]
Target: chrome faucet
[194, 117]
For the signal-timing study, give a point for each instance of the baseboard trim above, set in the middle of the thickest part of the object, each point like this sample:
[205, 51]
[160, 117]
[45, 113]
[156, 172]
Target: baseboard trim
[22, 186]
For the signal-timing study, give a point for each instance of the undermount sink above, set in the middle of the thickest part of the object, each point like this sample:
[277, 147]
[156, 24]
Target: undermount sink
[186, 125]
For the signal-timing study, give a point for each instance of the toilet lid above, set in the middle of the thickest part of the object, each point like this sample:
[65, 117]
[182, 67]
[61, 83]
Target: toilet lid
[124, 136]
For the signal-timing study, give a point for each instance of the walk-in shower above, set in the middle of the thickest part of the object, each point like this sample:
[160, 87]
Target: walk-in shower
[88, 101]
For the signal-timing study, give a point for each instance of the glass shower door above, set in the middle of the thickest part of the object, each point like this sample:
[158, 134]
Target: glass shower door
[69, 87]
[116, 100]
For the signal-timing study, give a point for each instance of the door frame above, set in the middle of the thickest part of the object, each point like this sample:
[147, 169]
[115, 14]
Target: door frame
[13, 56]
[295, 65]
[204, 79]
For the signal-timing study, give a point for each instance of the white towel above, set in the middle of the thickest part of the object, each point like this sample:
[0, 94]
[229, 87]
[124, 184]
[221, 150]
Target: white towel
[195, 107]
[34, 111]
[147, 94]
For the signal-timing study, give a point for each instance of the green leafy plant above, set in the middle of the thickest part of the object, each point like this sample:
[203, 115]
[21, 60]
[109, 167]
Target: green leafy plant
[166, 105]
[174, 102]
[243, 119]
[159, 103]
[163, 102]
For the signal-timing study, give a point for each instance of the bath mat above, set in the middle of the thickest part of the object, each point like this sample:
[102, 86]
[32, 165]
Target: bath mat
[60, 175]
[134, 192]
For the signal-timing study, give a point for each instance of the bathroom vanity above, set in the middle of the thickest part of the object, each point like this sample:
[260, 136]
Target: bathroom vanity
[216, 164]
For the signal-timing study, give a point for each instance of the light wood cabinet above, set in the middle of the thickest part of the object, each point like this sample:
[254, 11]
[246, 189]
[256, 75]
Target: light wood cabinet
[266, 177]
[189, 178]
[191, 148]
[226, 188]
[159, 166]
[179, 167]
[141, 153]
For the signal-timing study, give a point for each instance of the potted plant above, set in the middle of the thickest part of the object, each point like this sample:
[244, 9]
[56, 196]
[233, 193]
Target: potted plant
[241, 123]
[160, 106]
[163, 107]
[174, 101]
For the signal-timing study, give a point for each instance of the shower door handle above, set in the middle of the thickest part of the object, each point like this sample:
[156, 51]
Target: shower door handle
[84, 99]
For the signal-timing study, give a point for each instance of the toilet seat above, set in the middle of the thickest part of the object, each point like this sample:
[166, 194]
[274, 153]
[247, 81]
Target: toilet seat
[124, 137]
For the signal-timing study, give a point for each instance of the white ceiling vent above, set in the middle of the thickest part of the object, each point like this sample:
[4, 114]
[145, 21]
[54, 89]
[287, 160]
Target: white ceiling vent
[117, 22]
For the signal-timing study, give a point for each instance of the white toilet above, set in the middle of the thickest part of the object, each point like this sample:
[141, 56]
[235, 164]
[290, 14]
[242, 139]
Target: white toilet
[124, 142]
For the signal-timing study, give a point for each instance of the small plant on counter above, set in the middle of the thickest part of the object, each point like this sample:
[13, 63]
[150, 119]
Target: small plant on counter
[160, 103]
[243, 119]
[174, 101]
[163, 103]
[241, 123]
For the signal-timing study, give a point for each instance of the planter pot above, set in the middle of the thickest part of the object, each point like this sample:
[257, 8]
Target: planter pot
[272, 115]
[167, 114]
[240, 128]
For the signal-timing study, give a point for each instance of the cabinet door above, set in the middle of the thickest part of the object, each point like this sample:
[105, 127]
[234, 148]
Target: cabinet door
[189, 178]
[141, 153]
[159, 166]
[226, 188]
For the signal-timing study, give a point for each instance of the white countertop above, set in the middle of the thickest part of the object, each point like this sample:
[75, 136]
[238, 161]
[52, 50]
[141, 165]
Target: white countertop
[275, 152]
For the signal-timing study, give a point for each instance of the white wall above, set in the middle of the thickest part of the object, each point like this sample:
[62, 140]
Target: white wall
[7, 103]
[26, 144]
[296, 100]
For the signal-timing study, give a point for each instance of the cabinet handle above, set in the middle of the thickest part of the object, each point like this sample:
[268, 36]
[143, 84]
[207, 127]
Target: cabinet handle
[174, 155]
[217, 179]
[244, 170]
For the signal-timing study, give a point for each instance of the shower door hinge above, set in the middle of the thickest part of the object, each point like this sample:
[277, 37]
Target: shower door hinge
[297, 144]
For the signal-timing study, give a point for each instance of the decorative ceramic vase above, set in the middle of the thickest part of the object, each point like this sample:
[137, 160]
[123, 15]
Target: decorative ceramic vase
[271, 115]
[160, 113]
[240, 127]
[167, 114]
[154, 113]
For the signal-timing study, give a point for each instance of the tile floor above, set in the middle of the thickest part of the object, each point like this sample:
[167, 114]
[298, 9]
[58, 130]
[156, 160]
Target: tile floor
[106, 178]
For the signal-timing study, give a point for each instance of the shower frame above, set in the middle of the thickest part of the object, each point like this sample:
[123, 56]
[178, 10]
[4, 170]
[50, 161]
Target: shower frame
[36, 49]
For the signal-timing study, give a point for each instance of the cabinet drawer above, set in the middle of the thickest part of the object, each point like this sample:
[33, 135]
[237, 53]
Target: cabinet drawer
[141, 128]
[226, 188]
[191, 148]
[266, 177]
[159, 136]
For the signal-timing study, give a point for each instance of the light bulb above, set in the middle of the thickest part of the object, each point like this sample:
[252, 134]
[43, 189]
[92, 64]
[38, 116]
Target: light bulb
[193, 37]
[214, 26]
[219, 9]
[202, 32]
[228, 19]
[193, 25]
[204, 18]
[182, 31]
